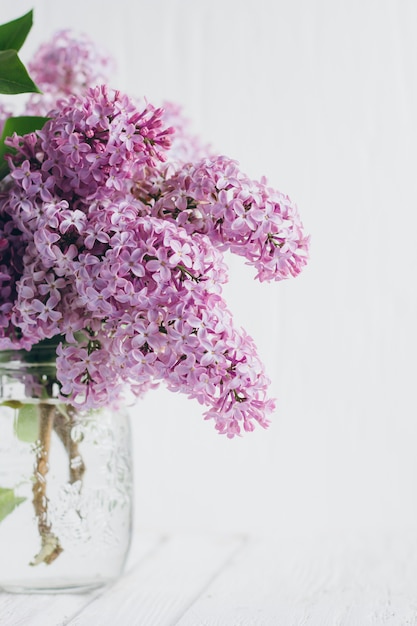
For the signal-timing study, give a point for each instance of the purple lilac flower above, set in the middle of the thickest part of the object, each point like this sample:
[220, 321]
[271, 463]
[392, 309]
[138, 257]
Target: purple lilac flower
[82, 153]
[247, 217]
[112, 244]
[186, 146]
[67, 64]
[12, 247]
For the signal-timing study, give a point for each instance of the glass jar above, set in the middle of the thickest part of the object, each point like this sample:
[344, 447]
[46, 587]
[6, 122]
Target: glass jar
[65, 483]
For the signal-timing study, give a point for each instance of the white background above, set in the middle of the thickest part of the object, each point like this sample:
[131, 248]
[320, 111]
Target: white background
[321, 96]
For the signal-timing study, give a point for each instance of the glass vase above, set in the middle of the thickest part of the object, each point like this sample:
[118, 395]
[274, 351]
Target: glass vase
[65, 483]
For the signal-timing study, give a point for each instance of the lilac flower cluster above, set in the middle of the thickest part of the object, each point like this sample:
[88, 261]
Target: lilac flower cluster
[186, 147]
[67, 64]
[244, 216]
[116, 253]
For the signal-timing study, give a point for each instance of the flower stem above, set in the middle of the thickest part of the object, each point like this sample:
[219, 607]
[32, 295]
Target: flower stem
[50, 545]
[63, 424]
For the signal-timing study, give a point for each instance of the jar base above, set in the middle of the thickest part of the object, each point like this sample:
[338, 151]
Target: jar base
[54, 587]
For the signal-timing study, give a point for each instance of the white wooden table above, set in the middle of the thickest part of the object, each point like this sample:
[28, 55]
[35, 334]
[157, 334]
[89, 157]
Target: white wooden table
[211, 580]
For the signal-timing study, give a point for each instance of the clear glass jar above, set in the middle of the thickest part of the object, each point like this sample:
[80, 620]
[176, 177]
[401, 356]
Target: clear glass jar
[65, 483]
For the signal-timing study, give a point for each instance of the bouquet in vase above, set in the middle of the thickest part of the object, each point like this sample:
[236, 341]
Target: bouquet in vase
[113, 223]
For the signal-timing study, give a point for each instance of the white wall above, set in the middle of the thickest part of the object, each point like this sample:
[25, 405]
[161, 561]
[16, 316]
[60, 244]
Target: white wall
[321, 96]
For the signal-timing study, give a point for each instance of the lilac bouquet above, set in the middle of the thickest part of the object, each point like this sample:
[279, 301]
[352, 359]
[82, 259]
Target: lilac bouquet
[113, 223]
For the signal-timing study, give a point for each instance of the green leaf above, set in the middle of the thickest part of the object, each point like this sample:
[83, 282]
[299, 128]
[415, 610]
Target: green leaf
[8, 502]
[26, 424]
[13, 404]
[22, 126]
[13, 34]
[13, 74]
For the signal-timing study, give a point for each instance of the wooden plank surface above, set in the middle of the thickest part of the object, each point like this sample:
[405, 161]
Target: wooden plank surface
[344, 581]
[209, 580]
[158, 590]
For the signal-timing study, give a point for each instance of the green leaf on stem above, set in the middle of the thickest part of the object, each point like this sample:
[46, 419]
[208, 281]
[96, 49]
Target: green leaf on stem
[14, 33]
[26, 425]
[14, 77]
[13, 404]
[8, 502]
[22, 125]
